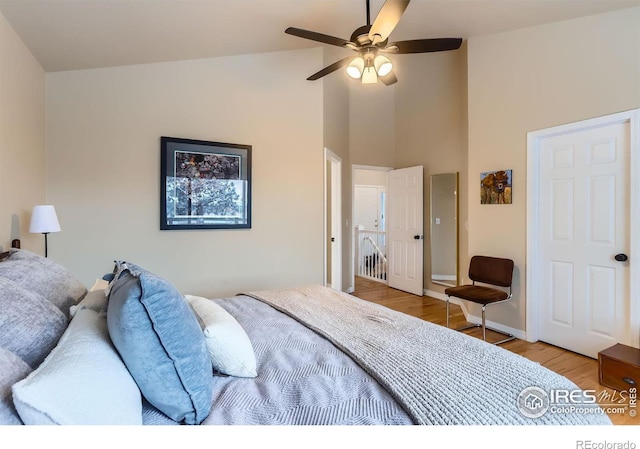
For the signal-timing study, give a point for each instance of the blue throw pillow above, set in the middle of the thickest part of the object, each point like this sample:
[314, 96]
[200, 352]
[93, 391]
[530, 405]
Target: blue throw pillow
[161, 343]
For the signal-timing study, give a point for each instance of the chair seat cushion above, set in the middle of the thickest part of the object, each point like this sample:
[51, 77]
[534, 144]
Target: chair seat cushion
[477, 293]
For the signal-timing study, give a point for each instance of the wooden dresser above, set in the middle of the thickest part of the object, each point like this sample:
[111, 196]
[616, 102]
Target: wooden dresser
[619, 367]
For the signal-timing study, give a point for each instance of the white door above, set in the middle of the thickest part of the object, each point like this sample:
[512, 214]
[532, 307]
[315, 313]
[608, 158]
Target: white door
[405, 229]
[366, 210]
[584, 224]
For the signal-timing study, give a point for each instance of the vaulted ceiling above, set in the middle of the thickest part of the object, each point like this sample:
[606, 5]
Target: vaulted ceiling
[81, 34]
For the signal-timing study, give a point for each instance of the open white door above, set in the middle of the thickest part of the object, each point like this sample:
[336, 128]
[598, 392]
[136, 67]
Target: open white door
[405, 228]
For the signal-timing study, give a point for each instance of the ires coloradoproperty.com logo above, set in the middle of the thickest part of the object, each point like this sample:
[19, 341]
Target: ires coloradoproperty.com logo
[534, 402]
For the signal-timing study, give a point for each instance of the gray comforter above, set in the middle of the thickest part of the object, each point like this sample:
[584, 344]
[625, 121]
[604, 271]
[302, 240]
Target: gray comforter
[334, 374]
[302, 379]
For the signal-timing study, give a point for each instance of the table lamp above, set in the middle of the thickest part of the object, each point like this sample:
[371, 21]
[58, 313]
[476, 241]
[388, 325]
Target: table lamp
[43, 221]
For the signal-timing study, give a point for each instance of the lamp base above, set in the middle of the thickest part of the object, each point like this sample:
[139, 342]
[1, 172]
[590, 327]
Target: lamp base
[45, 244]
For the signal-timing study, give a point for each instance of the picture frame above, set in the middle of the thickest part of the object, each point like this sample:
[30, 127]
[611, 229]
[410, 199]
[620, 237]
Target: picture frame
[496, 187]
[204, 185]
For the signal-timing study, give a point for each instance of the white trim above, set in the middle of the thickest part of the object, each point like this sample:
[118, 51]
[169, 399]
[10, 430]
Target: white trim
[436, 295]
[501, 327]
[443, 283]
[370, 185]
[533, 215]
[444, 277]
[324, 216]
[532, 228]
[370, 167]
[634, 224]
[336, 216]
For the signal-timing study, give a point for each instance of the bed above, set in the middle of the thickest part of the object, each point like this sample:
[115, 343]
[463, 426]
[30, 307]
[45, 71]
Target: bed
[132, 350]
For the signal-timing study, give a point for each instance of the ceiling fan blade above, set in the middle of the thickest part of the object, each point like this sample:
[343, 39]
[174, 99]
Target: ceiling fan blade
[318, 37]
[425, 45]
[330, 69]
[387, 20]
[388, 79]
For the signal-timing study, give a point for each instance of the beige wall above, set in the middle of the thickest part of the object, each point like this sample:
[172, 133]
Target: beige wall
[22, 135]
[372, 123]
[430, 129]
[531, 79]
[336, 139]
[103, 145]
[366, 177]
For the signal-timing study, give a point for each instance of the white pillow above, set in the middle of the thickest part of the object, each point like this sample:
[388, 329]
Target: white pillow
[228, 344]
[82, 381]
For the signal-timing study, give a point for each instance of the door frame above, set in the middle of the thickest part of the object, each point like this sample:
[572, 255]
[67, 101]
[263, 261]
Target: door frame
[335, 183]
[534, 261]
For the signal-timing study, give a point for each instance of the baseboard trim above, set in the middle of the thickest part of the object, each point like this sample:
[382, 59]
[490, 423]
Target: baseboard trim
[350, 290]
[443, 277]
[522, 335]
[437, 295]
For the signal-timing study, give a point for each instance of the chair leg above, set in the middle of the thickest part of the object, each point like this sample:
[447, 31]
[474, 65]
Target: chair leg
[484, 327]
[509, 336]
[459, 328]
[447, 300]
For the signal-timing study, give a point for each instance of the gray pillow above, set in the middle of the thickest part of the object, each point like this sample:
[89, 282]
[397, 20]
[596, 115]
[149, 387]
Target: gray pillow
[30, 326]
[12, 369]
[44, 276]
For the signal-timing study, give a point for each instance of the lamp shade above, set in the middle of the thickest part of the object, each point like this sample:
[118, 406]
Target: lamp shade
[44, 220]
[383, 65]
[369, 75]
[355, 68]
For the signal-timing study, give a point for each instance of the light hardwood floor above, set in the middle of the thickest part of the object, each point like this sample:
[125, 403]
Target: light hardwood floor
[583, 371]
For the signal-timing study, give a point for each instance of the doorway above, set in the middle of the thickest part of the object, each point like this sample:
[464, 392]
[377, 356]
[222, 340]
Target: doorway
[582, 203]
[369, 185]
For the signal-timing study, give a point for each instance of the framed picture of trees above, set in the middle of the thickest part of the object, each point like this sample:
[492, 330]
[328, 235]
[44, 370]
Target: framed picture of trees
[204, 185]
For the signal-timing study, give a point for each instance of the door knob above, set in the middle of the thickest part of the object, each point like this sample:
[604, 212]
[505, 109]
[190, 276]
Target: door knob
[417, 237]
[621, 257]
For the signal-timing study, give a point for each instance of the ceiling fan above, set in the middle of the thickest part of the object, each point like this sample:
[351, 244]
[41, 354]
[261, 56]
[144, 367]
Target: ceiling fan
[371, 43]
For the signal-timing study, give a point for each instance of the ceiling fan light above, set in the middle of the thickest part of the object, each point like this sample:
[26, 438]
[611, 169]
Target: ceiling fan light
[369, 75]
[356, 67]
[383, 65]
